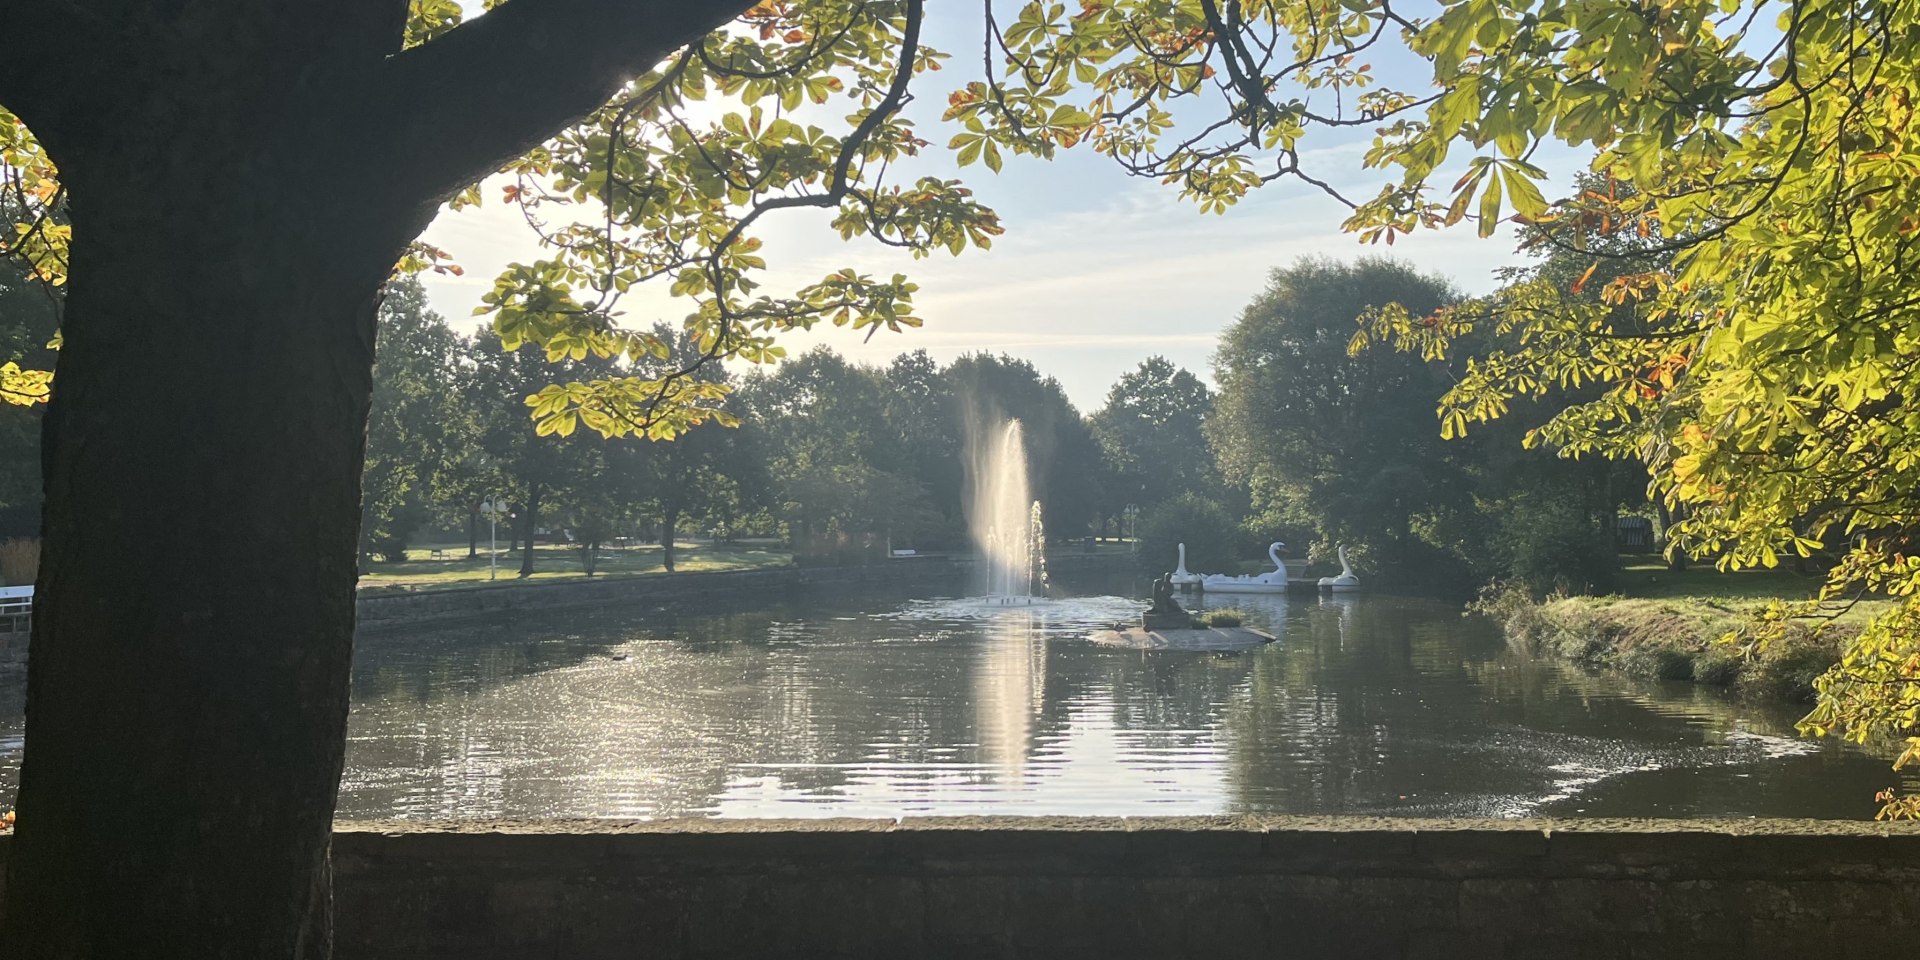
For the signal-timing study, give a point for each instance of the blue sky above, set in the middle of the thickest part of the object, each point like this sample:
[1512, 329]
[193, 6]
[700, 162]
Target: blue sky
[1097, 270]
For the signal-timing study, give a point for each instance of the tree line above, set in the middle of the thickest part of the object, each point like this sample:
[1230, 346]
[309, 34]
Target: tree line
[1306, 441]
[841, 459]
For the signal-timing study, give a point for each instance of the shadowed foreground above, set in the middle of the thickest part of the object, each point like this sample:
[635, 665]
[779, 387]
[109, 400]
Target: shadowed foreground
[1136, 887]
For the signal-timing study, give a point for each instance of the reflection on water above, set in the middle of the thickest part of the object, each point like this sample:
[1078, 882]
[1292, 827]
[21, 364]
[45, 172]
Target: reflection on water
[884, 705]
[1010, 688]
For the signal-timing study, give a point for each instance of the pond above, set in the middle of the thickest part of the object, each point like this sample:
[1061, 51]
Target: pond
[879, 703]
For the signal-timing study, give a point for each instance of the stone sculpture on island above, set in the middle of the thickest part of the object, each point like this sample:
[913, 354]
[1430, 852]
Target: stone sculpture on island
[1166, 612]
[1167, 626]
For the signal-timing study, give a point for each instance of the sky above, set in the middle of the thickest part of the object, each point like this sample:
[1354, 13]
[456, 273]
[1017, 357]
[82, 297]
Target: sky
[1097, 270]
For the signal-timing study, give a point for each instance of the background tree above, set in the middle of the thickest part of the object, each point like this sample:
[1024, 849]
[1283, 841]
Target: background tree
[919, 411]
[1345, 443]
[28, 311]
[1063, 457]
[415, 424]
[1152, 431]
[531, 471]
[704, 474]
[594, 506]
[1552, 517]
[840, 468]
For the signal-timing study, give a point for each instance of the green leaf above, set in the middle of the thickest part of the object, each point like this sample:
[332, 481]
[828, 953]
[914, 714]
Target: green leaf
[1490, 207]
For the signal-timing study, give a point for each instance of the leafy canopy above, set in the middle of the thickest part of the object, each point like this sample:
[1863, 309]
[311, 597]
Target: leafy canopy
[1342, 443]
[1151, 431]
[1765, 369]
[800, 103]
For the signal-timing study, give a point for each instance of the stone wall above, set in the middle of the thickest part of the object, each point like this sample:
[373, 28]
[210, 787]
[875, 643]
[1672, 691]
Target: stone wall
[1064, 888]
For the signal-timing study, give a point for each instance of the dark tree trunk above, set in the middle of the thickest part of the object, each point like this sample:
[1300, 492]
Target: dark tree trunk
[242, 178]
[187, 690]
[473, 534]
[528, 525]
[1676, 559]
[669, 525]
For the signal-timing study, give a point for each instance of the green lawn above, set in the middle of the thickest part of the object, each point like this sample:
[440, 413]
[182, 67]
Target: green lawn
[555, 562]
[1677, 638]
[1650, 579]
[1711, 591]
[422, 569]
[1666, 624]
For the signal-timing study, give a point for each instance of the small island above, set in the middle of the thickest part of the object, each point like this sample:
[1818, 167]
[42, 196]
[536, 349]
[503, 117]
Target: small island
[1166, 625]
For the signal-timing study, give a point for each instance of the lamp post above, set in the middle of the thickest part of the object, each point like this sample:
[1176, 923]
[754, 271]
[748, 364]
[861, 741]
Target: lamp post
[1132, 515]
[493, 508]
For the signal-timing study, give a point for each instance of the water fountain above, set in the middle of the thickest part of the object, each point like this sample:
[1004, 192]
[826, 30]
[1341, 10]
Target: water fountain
[1002, 516]
[1008, 529]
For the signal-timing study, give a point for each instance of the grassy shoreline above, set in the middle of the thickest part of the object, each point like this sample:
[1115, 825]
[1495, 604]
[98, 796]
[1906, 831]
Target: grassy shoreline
[439, 566]
[422, 570]
[1669, 625]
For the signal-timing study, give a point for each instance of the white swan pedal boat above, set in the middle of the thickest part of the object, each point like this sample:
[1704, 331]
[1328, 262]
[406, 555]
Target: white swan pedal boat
[1346, 582]
[1273, 581]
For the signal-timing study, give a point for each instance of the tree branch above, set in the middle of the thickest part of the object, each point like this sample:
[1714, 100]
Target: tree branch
[460, 107]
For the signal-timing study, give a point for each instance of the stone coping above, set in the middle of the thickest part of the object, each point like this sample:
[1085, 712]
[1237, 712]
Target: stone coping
[1252, 824]
[1359, 846]
[1370, 844]
[1022, 829]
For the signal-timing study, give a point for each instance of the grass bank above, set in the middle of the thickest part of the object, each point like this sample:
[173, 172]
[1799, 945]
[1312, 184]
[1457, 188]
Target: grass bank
[431, 567]
[1669, 625]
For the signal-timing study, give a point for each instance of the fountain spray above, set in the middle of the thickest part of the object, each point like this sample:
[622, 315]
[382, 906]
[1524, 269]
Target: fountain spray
[1002, 516]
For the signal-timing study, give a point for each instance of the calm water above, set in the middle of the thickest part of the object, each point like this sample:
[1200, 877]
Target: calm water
[884, 705]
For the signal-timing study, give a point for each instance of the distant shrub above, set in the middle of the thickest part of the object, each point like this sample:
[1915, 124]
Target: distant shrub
[19, 562]
[1513, 607]
[838, 549]
[390, 549]
[1789, 667]
[1661, 663]
[1196, 521]
[1229, 617]
[1719, 667]
[1554, 544]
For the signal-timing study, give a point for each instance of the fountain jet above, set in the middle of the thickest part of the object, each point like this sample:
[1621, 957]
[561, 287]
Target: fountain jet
[1002, 515]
